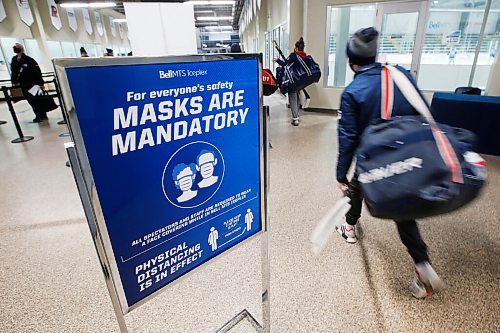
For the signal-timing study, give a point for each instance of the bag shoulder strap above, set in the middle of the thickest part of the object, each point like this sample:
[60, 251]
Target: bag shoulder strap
[387, 94]
[409, 91]
[413, 97]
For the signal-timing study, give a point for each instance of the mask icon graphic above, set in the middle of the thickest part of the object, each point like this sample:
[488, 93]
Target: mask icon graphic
[193, 174]
[205, 164]
[183, 176]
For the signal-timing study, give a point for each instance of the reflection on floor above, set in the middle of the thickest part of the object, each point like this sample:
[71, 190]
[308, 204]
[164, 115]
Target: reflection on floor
[50, 279]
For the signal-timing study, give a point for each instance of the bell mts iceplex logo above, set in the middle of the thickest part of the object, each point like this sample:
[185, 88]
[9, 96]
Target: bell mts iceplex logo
[170, 74]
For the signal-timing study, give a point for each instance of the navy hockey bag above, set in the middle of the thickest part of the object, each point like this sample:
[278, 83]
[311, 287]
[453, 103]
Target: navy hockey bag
[412, 167]
[298, 75]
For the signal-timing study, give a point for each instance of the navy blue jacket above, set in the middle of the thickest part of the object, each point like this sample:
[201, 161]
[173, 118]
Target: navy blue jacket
[360, 107]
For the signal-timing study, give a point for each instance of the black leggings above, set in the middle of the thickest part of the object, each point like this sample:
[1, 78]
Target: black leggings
[408, 229]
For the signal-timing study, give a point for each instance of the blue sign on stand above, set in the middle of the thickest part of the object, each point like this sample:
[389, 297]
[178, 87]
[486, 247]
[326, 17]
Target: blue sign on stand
[175, 152]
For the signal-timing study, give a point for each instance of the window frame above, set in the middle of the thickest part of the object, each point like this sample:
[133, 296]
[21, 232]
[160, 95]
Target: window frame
[426, 14]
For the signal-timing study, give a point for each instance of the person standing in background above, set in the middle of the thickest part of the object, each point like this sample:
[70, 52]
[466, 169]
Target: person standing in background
[27, 74]
[236, 48]
[109, 53]
[293, 96]
[83, 52]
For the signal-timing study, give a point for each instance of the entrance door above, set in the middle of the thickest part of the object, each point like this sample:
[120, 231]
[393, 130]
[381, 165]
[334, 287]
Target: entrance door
[402, 29]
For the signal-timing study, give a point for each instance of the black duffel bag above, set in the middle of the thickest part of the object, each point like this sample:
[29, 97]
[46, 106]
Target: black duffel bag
[298, 74]
[410, 167]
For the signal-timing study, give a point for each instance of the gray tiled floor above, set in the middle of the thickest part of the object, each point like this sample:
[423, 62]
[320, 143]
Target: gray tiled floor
[50, 279]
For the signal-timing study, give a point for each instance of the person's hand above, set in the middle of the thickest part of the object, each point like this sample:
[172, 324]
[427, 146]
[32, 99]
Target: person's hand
[275, 59]
[343, 187]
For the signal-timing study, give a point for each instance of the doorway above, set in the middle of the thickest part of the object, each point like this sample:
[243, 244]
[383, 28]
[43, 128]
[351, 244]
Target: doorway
[402, 30]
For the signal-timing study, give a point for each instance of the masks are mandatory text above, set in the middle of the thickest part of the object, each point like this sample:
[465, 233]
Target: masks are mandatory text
[224, 109]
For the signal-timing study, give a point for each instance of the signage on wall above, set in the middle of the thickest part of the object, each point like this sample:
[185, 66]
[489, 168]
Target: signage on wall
[175, 152]
[73, 24]
[55, 16]
[112, 26]
[86, 21]
[25, 12]
[452, 38]
[98, 23]
[3, 15]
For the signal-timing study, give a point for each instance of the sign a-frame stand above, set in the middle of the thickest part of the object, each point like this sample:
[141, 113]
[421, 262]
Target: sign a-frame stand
[97, 123]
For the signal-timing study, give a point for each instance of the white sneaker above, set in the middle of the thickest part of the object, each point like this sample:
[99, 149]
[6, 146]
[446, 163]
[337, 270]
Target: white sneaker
[427, 282]
[348, 232]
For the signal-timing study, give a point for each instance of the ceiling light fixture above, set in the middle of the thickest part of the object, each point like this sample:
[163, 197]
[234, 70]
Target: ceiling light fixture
[211, 3]
[106, 4]
[122, 20]
[214, 18]
[221, 27]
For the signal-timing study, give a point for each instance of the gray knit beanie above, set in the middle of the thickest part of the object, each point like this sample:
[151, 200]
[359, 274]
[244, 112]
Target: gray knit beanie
[362, 47]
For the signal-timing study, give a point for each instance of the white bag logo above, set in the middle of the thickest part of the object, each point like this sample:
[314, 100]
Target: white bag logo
[390, 170]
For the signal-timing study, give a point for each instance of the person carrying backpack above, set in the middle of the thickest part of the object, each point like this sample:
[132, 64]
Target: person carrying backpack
[293, 96]
[360, 106]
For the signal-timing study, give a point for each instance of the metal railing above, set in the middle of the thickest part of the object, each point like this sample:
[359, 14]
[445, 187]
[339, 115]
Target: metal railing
[432, 44]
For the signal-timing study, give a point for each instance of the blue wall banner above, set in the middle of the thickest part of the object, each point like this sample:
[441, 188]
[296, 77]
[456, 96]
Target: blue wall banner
[175, 154]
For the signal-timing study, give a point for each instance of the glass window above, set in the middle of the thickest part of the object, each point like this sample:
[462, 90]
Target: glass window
[397, 38]
[267, 59]
[449, 47]
[344, 21]
[33, 50]
[68, 49]
[489, 47]
[4, 68]
[55, 50]
[7, 43]
[92, 50]
[280, 37]
[99, 50]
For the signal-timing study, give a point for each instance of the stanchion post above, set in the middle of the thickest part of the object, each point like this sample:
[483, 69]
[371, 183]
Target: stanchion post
[86, 197]
[265, 259]
[21, 137]
[61, 122]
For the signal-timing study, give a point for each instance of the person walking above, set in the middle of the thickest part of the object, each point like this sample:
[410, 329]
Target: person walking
[83, 52]
[293, 96]
[27, 74]
[360, 106]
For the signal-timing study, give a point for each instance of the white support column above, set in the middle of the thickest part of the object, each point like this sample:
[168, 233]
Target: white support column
[38, 32]
[159, 29]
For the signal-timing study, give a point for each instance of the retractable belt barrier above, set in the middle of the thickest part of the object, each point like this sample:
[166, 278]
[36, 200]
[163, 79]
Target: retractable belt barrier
[10, 100]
